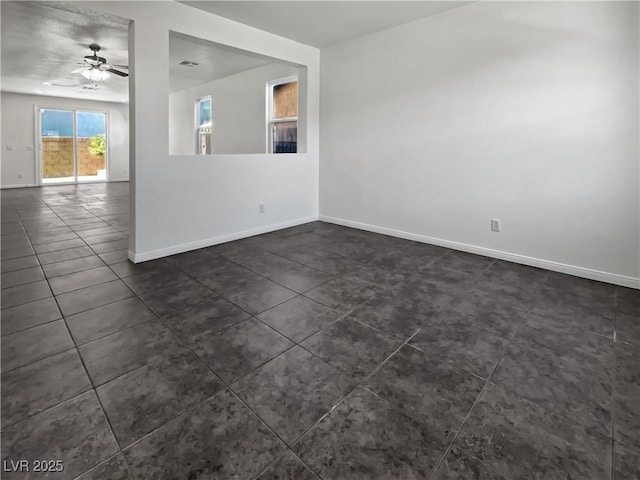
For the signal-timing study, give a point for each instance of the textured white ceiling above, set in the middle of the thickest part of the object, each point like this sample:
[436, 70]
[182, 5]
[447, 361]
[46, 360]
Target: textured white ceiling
[216, 61]
[324, 23]
[45, 41]
[37, 31]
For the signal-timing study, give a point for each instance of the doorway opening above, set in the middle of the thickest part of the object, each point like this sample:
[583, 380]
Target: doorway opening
[73, 146]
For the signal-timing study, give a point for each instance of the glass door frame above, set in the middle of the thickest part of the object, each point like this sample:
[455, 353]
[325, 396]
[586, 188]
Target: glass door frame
[39, 153]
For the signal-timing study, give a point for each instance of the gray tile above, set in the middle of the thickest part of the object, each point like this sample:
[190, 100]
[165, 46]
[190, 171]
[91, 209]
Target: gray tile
[628, 301]
[29, 315]
[262, 262]
[110, 246]
[451, 337]
[221, 274]
[364, 438]
[58, 245]
[122, 352]
[343, 295]
[127, 268]
[62, 255]
[72, 266]
[301, 278]
[405, 261]
[287, 467]
[299, 317]
[116, 256]
[534, 375]
[443, 275]
[626, 462]
[11, 253]
[575, 311]
[79, 280]
[31, 389]
[198, 262]
[248, 290]
[433, 296]
[26, 346]
[147, 398]
[93, 297]
[626, 395]
[88, 232]
[392, 314]
[200, 315]
[239, 349]
[55, 239]
[22, 277]
[351, 347]
[628, 327]
[30, 292]
[292, 392]
[382, 277]
[156, 281]
[580, 287]
[466, 262]
[438, 395]
[102, 238]
[219, 438]
[495, 312]
[519, 439]
[627, 375]
[512, 278]
[19, 263]
[459, 467]
[75, 432]
[324, 261]
[114, 468]
[102, 321]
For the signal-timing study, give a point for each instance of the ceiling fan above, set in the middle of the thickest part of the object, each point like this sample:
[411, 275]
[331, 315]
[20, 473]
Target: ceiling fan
[96, 68]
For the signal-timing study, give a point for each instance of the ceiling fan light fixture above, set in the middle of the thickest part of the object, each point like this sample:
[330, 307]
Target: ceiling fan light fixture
[95, 74]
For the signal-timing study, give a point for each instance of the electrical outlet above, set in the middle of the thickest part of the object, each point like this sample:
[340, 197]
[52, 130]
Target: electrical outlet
[261, 208]
[20, 175]
[495, 225]
[9, 147]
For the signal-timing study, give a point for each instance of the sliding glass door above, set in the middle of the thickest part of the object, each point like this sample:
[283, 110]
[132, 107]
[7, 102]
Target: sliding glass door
[73, 146]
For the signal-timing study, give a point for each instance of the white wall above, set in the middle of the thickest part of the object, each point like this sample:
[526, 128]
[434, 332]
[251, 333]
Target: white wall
[179, 203]
[522, 111]
[19, 131]
[238, 105]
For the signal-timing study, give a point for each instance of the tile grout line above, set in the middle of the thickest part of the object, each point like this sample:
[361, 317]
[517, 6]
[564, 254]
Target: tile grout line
[612, 473]
[358, 383]
[438, 466]
[91, 382]
[487, 381]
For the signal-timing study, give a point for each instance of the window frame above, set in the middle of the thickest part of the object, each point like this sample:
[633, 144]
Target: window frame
[270, 120]
[197, 121]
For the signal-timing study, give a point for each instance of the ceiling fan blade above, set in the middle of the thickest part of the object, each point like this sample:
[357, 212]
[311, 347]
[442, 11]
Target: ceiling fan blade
[117, 72]
[119, 66]
[78, 70]
[59, 61]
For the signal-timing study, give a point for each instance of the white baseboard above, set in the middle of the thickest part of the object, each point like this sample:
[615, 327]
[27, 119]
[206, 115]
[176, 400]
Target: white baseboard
[26, 185]
[591, 274]
[208, 242]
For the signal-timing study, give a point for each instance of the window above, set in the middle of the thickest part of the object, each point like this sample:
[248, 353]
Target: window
[203, 126]
[283, 116]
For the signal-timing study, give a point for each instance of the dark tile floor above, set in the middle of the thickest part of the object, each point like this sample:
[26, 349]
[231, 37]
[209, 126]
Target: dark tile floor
[312, 352]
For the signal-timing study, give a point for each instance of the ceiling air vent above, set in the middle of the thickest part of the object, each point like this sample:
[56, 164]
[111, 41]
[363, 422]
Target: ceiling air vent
[188, 63]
